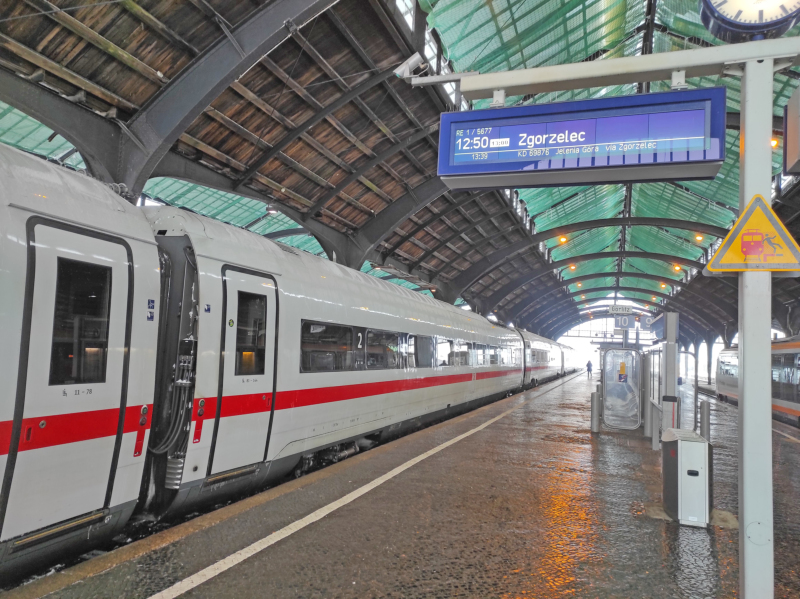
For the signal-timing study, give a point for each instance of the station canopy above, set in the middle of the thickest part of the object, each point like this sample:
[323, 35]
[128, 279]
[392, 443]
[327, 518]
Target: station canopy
[313, 143]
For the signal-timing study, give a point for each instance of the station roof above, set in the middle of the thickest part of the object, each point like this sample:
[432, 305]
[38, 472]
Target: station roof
[316, 145]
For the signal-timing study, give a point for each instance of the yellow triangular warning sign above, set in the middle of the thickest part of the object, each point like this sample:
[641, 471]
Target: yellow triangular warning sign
[757, 241]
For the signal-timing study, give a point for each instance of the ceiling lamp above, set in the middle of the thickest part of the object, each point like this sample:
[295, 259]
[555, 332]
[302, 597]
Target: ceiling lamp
[677, 267]
[572, 267]
[563, 239]
[663, 285]
[698, 237]
[774, 143]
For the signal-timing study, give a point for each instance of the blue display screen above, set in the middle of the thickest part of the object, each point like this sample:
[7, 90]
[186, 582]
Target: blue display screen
[668, 128]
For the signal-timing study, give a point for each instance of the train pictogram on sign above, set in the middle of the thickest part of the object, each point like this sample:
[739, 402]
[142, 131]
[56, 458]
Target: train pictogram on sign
[759, 246]
[757, 241]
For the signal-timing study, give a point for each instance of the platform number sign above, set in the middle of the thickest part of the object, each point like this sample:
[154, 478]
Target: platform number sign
[646, 322]
[624, 321]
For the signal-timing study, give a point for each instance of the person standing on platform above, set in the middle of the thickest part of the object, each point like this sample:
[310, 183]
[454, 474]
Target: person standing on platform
[589, 368]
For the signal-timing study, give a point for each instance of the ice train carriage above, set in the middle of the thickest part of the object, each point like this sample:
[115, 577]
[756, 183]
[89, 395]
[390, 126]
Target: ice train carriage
[785, 378]
[569, 358]
[244, 360]
[545, 360]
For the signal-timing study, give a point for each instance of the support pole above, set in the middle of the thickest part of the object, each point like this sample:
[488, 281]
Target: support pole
[710, 350]
[670, 414]
[595, 413]
[756, 560]
[655, 428]
[647, 407]
[705, 421]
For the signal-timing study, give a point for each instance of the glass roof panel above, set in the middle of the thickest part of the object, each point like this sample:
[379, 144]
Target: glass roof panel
[20, 131]
[589, 242]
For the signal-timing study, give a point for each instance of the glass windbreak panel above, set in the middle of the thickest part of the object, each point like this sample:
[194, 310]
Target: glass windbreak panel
[444, 352]
[621, 389]
[383, 350]
[326, 347]
[251, 333]
[80, 325]
[423, 351]
[687, 391]
[655, 380]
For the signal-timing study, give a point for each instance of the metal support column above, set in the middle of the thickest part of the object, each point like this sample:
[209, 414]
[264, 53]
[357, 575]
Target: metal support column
[756, 560]
[710, 366]
[645, 398]
[705, 420]
[669, 364]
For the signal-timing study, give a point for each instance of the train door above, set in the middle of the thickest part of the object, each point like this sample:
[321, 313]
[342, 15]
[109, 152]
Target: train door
[247, 370]
[777, 367]
[69, 414]
[528, 364]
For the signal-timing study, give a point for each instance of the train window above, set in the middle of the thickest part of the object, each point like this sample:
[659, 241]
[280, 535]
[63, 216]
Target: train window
[80, 324]
[444, 352]
[480, 354]
[326, 347]
[251, 331]
[505, 356]
[422, 350]
[788, 377]
[517, 356]
[777, 366]
[460, 355]
[383, 350]
[494, 354]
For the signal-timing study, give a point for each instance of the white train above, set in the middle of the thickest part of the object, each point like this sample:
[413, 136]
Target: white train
[785, 379]
[155, 360]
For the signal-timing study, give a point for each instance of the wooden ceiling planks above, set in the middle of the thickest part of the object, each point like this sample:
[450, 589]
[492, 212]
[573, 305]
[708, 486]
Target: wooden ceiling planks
[115, 52]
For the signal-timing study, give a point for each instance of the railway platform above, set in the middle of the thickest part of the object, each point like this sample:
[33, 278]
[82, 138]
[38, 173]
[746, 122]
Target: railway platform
[516, 499]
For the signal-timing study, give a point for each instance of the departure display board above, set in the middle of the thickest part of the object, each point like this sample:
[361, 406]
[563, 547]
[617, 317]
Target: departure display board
[665, 136]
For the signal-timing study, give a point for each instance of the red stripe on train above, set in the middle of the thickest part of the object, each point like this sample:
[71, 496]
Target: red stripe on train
[308, 397]
[60, 429]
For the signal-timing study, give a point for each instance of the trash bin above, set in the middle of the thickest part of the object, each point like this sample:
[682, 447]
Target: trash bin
[686, 462]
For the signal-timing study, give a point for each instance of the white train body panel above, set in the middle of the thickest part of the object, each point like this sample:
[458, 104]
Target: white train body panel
[785, 377]
[543, 358]
[315, 409]
[89, 364]
[71, 444]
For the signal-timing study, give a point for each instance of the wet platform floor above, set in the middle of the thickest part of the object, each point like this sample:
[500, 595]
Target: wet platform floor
[531, 505]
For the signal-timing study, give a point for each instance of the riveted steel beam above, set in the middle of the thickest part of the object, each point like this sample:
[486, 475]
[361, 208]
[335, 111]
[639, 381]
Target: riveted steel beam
[95, 137]
[287, 233]
[512, 286]
[519, 310]
[169, 112]
[568, 297]
[483, 267]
